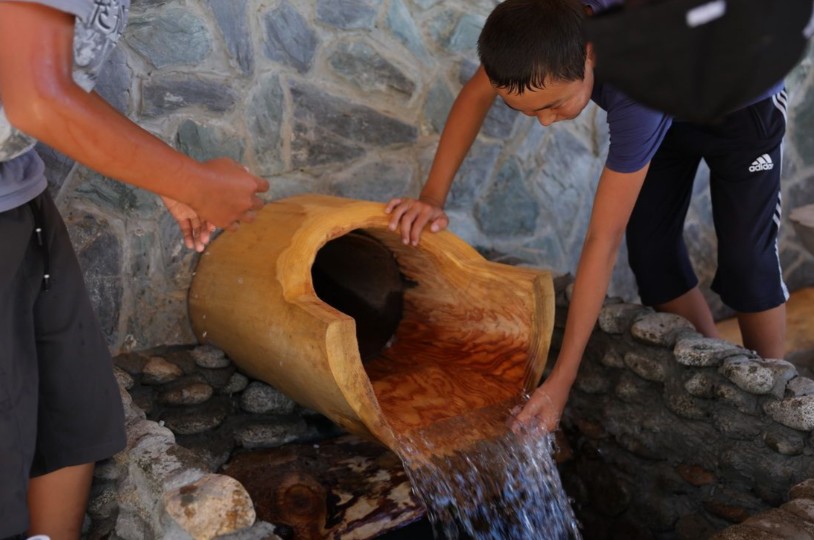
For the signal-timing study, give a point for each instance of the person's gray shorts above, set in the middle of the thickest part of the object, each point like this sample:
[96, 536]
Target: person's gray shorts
[59, 402]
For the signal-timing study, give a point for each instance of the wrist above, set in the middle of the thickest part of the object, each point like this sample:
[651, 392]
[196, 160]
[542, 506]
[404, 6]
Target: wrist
[432, 200]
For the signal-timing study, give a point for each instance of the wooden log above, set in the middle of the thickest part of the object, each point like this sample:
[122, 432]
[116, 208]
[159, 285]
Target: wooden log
[341, 488]
[451, 331]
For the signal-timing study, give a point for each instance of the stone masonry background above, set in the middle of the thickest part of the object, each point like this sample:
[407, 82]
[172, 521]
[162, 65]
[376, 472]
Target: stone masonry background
[348, 97]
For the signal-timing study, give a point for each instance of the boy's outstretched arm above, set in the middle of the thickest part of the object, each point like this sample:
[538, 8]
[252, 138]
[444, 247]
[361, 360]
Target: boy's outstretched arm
[613, 203]
[41, 99]
[465, 119]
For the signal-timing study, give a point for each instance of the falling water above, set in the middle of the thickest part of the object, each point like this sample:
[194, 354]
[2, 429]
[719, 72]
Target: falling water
[481, 480]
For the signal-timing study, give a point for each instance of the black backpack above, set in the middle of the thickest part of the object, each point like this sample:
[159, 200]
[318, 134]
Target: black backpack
[699, 59]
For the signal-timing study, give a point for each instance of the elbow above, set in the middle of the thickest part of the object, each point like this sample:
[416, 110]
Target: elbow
[32, 111]
[610, 239]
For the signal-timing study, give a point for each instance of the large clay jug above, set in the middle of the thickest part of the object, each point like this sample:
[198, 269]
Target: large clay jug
[321, 300]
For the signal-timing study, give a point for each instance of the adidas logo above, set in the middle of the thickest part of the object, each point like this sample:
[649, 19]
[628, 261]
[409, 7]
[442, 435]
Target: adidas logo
[763, 163]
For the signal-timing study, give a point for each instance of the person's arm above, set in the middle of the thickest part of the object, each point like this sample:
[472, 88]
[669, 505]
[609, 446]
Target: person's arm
[613, 203]
[41, 99]
[462, 126]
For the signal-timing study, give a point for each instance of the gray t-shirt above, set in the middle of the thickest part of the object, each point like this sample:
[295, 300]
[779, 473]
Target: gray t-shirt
[99, 24]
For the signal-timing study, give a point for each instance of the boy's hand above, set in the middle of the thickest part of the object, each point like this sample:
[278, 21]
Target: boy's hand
[197, 232]
[545, 406]
[412, 215]
[227, 193]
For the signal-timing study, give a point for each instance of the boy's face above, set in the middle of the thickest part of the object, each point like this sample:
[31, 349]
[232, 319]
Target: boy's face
[558, 100]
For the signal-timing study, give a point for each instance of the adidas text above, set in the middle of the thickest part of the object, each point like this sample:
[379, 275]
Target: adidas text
[763, 163]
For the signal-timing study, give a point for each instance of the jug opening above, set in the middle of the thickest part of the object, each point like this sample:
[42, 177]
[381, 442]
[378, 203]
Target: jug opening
[358, 275]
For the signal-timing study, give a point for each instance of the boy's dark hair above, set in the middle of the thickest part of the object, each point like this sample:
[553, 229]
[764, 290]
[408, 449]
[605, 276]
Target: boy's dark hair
[526, 43]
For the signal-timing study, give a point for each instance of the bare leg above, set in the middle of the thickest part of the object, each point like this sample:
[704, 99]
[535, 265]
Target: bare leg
[57, 502]
[765, 331]
[692, 306]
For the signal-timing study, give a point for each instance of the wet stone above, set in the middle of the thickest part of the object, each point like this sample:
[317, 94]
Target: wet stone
[784, 441]
[732, 395]
[803, 490]
[124, 379]
[732, 506]
[801, 508]
[734, 424]
[701, 385]
[782, 524]
[660, 328]
[696, 475]
[260, 398]
[103, 502]
[613, 359]
[210, 357]
[758, 376]
[648, 367]
[703, 352]
[684, 405]
[236, 383]
[189, 393]
[796, 413]
[592, 380]
[197, 420]
[630, 388]
[157, 370]
[800, 386]
[107, 469]
[268, 434]
[214, 505]
[617, 318]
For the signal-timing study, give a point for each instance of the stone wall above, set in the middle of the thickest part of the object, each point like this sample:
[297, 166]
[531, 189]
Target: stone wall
[346, 97]
[677, 436]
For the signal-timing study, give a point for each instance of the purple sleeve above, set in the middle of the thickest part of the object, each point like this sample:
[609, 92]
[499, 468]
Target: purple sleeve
[80, 8]
[601, 5]
[636, 131]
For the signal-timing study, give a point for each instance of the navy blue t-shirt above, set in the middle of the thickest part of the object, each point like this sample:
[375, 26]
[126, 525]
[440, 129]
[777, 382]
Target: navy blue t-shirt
[636, 131]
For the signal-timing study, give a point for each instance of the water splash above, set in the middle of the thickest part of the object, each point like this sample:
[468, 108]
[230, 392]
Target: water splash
[481, 480]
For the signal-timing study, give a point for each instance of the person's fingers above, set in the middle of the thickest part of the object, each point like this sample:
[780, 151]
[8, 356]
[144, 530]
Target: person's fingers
[235, 225]
[205, 233]
[262, 184]
[186, 231]
[420, 222]
[439, 223]
[391, 205]
[257, 203]
[407, 224]
[249, 216]
[397, 213]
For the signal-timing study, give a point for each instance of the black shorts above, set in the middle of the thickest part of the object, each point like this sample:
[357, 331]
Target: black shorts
[59, 402]
[744, 154]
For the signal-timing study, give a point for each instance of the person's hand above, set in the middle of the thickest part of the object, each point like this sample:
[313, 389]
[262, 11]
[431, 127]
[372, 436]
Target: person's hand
[544, 407]
[227, 193]
[410, 216]
[197, 232]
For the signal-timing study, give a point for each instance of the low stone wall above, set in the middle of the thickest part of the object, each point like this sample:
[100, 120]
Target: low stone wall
[679, 436]
[187, 411]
